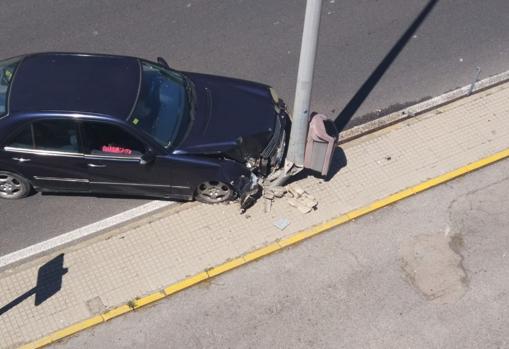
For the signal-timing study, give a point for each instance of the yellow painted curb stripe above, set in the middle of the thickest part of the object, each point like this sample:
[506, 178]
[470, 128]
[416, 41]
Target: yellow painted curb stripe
[80, 326]
[179, 286]
[38, 343]
[113, 313]
[226, 266]
[261, 252]
[140, 302]
[266, 250]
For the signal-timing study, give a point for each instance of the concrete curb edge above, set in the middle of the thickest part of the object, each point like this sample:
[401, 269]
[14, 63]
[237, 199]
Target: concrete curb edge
[419, 108]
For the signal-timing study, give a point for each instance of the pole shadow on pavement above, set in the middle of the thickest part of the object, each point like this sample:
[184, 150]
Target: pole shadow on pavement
[49, 282]
[353, 105]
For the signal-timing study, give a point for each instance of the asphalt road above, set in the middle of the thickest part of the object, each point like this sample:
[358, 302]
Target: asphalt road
[366, 51]
[431, 271]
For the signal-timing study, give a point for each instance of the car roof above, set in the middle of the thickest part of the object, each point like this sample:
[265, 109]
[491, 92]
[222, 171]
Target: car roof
[71, 82]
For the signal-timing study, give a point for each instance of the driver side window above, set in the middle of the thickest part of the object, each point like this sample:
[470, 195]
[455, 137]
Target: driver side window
[110, 140]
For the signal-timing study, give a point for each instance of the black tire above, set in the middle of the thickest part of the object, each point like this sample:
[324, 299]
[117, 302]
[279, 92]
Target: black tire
[214, 192]
[13, 186]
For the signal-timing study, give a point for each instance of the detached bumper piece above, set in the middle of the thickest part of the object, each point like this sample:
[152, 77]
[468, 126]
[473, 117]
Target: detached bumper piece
[249, 190]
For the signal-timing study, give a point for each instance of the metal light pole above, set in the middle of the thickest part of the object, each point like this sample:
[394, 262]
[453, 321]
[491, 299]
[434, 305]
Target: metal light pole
[295, 159]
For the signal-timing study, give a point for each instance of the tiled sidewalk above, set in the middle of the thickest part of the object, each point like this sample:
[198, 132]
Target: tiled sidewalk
[169, 246]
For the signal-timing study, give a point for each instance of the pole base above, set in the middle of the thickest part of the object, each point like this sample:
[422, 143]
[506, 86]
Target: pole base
[290, 169]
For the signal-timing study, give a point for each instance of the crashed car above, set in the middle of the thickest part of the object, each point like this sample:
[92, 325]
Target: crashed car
[93, 123]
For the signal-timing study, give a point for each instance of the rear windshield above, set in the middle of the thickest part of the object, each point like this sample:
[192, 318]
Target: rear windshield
[6, 73]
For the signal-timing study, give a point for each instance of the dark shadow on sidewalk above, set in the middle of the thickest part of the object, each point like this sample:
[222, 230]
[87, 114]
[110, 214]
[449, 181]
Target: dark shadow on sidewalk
[49, 282]
[353, 105]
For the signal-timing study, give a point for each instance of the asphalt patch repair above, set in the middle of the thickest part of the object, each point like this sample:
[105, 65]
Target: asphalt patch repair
[433, 265]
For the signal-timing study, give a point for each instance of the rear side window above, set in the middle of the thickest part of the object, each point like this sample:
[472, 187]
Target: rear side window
[24, 139]
[105, 139]
[56, 135]
[52, 135]
[6, 73]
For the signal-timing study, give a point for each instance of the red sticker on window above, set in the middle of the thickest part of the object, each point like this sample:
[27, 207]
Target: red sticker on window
[116, 150]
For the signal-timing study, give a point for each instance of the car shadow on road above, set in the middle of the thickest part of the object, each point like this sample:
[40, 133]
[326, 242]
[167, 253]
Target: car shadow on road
[49, 283]
[360, 96]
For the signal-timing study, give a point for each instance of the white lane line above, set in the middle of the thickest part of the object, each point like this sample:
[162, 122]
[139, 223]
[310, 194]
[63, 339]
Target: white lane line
[79, 234]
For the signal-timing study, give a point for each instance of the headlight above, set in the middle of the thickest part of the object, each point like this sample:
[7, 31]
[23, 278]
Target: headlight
[274, 95]
[275, 98]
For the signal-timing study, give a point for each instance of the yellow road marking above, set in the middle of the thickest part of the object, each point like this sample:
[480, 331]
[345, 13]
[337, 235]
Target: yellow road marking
[226, 266]
[140, 302]
[38, 343]
[80, 326]
[261, 252]
[179, 286]
[113, 313]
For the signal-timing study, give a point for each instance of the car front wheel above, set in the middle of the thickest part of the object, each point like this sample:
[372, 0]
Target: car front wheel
[13, 186]
[213, 192]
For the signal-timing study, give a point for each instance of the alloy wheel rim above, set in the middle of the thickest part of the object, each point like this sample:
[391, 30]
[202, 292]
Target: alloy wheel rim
[9, 185]
[214, 191]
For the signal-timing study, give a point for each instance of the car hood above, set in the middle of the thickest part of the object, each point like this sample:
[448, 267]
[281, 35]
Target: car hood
[230, 114]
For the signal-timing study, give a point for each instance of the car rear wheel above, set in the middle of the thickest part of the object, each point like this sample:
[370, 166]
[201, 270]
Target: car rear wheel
[13, 186]
[213, 192]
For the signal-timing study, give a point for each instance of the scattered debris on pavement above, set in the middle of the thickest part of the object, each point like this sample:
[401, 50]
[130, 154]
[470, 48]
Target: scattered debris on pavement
[297, 197]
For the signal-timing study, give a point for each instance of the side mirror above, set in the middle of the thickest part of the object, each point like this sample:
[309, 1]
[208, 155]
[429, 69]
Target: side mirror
[162, 62]
[147, 158]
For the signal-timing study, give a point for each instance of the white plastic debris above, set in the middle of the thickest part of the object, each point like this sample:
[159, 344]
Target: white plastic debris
[281, 223]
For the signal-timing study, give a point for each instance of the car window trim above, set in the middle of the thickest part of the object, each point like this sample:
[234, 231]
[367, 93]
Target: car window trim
[42, 152]
[111, 157]
[140, 76]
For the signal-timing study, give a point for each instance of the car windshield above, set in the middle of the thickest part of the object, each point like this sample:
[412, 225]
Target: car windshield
[162, 109]
[6, 73]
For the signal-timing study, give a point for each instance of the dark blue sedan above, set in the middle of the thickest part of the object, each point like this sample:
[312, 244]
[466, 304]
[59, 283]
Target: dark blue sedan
[91, 123]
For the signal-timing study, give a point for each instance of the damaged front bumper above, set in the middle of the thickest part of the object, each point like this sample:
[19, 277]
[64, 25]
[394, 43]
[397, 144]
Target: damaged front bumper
[249, 190]
[271, 159]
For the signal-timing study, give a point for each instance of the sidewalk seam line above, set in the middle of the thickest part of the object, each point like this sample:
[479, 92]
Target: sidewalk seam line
[264, 251]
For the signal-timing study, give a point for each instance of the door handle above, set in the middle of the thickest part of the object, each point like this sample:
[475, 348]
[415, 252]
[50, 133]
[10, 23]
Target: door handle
[95, 165]
[21, 159]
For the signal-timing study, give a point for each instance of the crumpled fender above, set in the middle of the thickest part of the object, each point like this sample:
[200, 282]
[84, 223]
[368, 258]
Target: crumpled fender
[245, 183]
